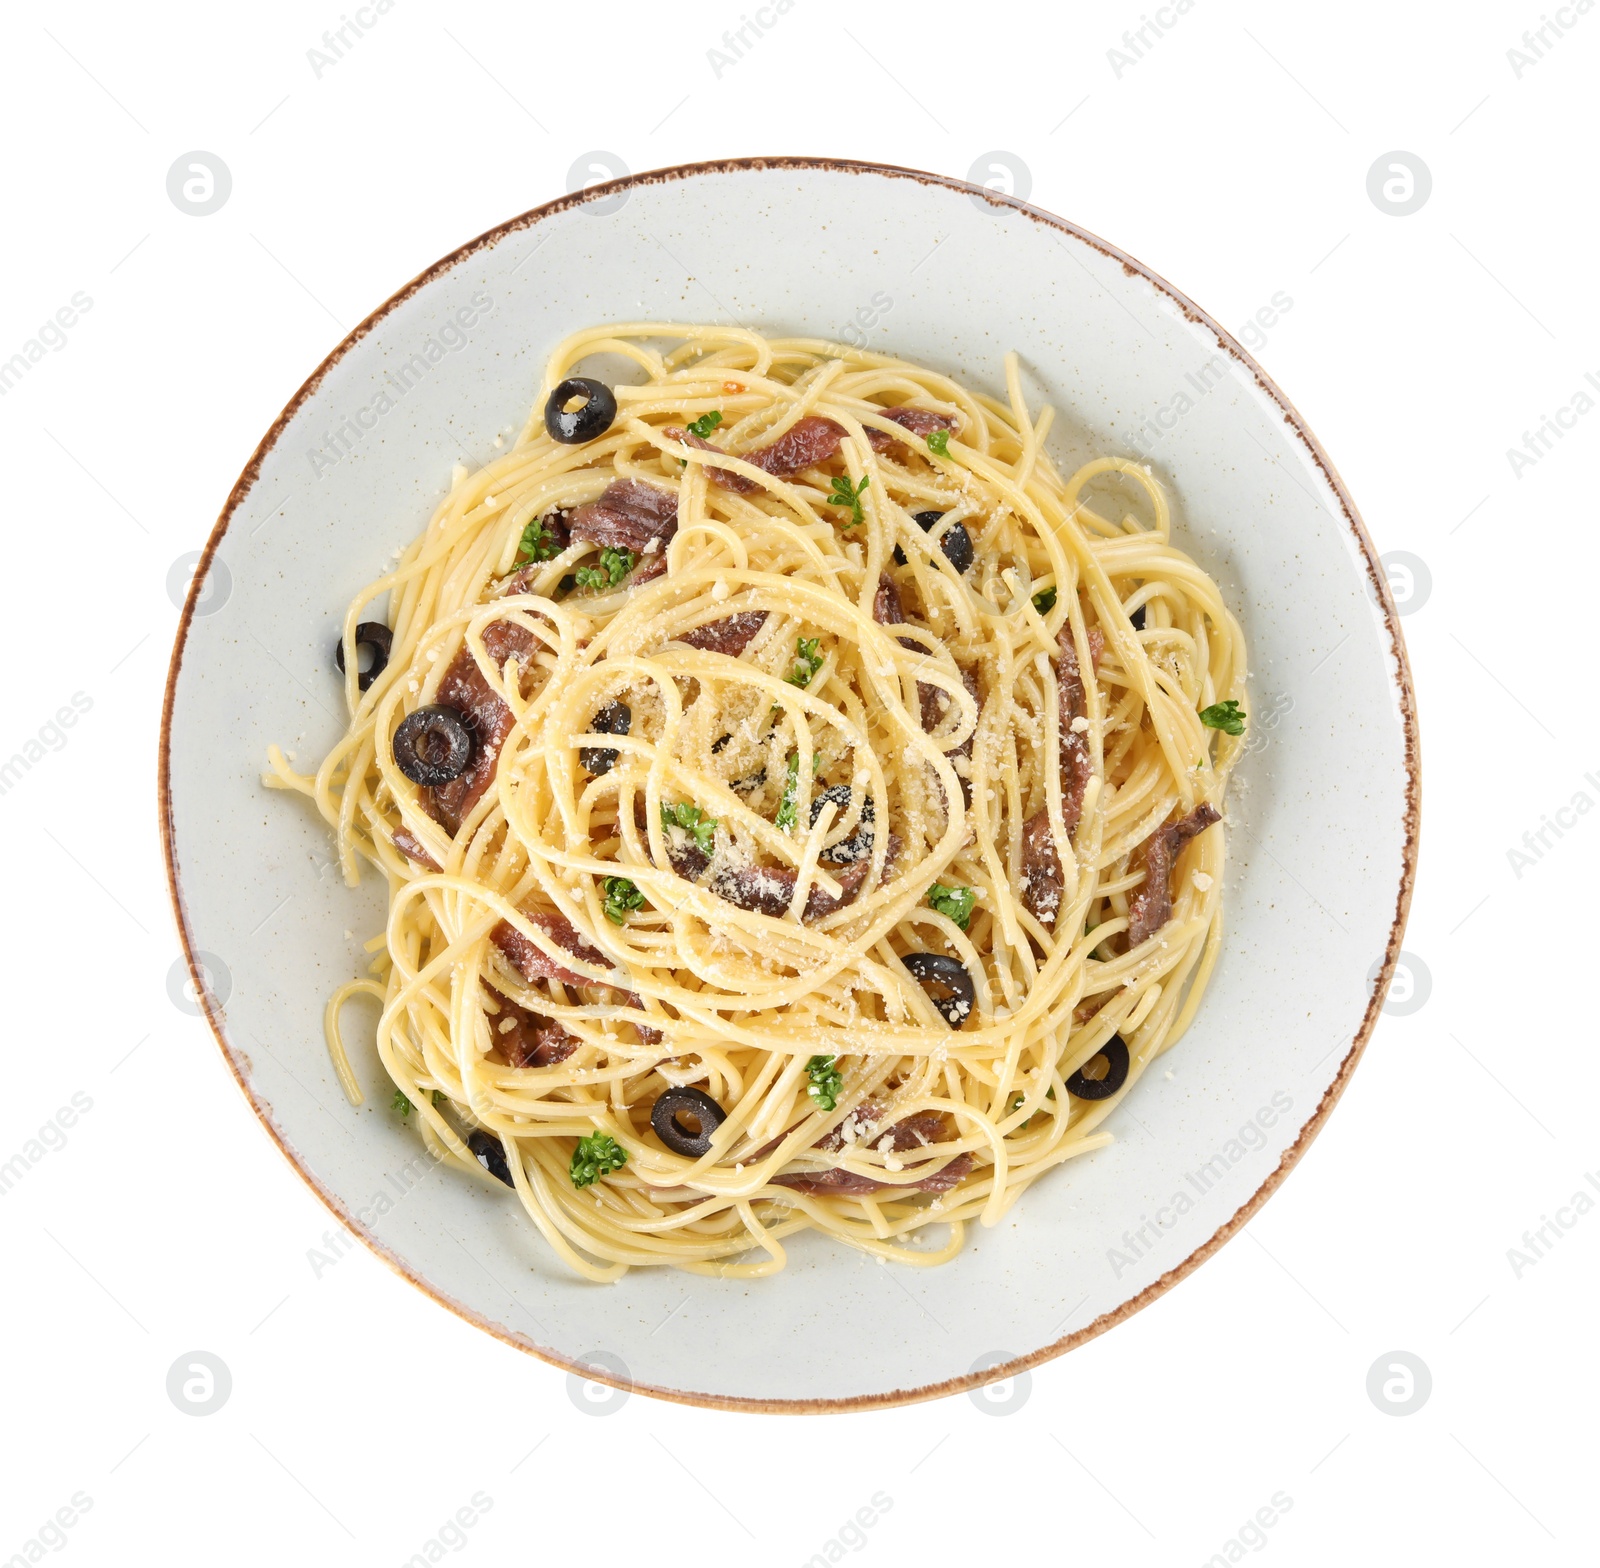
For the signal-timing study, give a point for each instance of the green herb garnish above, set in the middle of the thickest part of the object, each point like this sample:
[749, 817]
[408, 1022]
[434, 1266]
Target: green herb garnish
[536, 544]
[614, 566]
[954, 902]
[621, 896]
[807, 662]
[1016, 1104]
[705, 424]
[786, 817]
[693, 821]
[400, 1103]
[1224, 716]
[1045, 600]
[939, 443]
[827, 1083]
[597, 1153]
[846, 494]
[439, 1096]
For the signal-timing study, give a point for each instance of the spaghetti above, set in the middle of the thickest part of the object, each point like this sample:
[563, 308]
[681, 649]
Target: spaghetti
[794, 798]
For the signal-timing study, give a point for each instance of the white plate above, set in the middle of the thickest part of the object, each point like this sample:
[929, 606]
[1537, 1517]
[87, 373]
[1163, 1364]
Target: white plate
[1322, 818]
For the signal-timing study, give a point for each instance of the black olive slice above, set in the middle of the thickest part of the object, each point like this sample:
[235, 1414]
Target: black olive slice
[1114, 1053]
[1137, 618]
[940, 969]
[859, 845]
[433, 745]
[956, 543]
[699, 1108]
[490, 1153]
[582, 424]
[369, 634]
[749, 782]
[839, 794]
[613, 719]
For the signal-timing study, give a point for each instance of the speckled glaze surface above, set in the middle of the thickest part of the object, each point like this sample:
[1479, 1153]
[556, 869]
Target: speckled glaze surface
[1322, 820]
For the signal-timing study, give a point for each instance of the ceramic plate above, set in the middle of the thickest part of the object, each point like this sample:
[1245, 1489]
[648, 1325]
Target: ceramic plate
[1322, 815]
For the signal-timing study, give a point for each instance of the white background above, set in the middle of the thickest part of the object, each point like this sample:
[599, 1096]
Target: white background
[1232, 157]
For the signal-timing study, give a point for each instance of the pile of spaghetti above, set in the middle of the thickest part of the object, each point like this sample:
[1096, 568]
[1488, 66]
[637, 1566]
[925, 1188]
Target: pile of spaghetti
[793, 797]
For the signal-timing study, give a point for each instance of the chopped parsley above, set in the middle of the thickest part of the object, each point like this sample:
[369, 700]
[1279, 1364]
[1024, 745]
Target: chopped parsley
[621, 896]
[705, 424]
[597, 1153]
[846, 494]
[827, 1083]
[939, 443]
[1224, 716]
[693, 821]
[438, 1097]
[1016, 1105]
[536, 544]
[807, 662]
[400, 1103]
[786, 817]
[954, 902]
[614, 566]
[1045, 600]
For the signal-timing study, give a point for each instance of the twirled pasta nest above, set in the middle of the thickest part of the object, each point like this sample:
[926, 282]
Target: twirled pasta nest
[794, 799]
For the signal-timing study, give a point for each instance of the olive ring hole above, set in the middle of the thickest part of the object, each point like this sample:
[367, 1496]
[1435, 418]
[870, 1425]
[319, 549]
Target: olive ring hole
[1103, 1074]
[677, 1111]
[433, 745]
[594, 414]
[373, 642]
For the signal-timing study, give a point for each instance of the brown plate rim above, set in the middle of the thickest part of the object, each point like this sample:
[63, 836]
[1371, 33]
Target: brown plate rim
[1407, 699]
